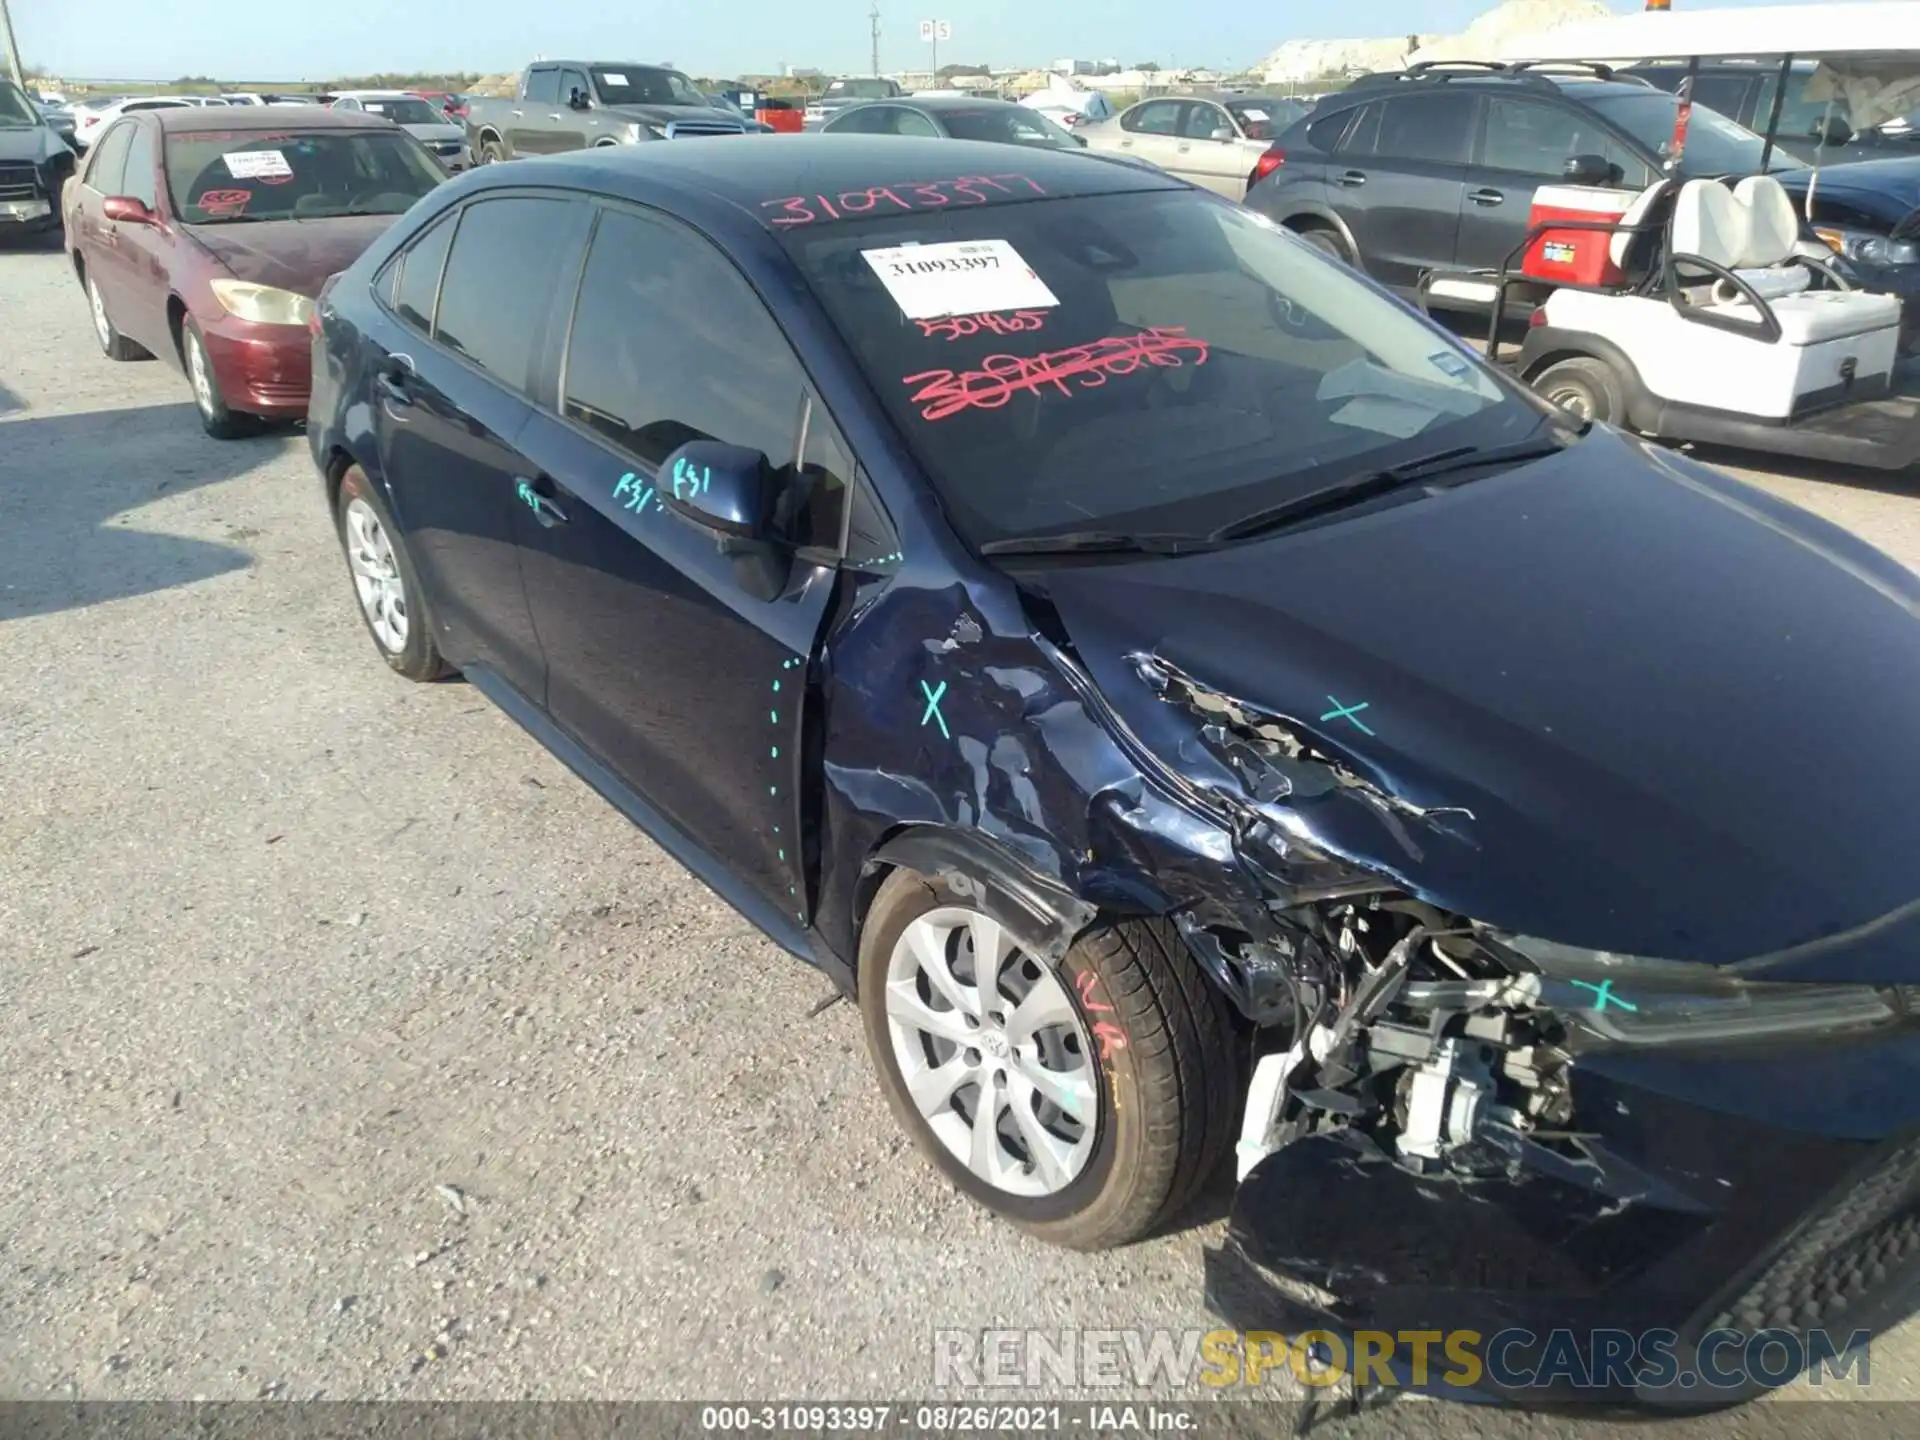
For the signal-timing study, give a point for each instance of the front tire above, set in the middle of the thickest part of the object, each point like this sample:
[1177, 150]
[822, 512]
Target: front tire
[1326, 241]
[392, 601]
[215, 418]
[492, 152]
[1086, 1102]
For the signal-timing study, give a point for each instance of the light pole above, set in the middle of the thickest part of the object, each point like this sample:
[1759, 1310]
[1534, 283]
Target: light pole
[13, 48]
[873, 25]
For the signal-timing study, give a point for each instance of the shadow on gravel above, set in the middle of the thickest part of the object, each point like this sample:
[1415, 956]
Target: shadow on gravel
[67, 485]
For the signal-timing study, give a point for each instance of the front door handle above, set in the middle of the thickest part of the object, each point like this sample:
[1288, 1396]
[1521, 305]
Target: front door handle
[1353, 179]
[1487, 197]
[542, 506]
[1184, 147]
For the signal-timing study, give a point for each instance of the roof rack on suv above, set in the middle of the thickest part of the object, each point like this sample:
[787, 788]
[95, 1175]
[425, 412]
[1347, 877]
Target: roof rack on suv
[1526, 72]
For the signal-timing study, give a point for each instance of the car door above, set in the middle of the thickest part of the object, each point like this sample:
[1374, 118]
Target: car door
[689, 689]
[1523, 145]
[533, 121]
[1203, 158]
[1399, 180]
[575, 129]
[474, 299]
[142, 254]
[1151, 130]
[96, 235]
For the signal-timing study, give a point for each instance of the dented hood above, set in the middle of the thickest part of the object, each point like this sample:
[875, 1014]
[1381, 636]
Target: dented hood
[1614, 699]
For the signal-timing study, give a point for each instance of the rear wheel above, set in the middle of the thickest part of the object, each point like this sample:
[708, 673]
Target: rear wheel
[1086, 1101]
[113, 344]
[491, 152]
[1584, 387]
[1327, 241]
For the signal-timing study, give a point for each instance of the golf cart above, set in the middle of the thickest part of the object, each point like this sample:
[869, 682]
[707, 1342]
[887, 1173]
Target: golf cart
[1703, 309]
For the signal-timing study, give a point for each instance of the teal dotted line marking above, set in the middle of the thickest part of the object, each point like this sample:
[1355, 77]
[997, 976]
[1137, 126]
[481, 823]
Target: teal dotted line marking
[895, 558]
[773, 753]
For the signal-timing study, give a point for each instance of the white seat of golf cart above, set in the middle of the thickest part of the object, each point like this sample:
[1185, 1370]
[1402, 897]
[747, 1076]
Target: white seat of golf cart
[1752, 231]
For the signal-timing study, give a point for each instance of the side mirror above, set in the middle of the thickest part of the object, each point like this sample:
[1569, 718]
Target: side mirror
[1221, 132]
[127, 209]
[729, 492]
[1589, 170]
[577, 100]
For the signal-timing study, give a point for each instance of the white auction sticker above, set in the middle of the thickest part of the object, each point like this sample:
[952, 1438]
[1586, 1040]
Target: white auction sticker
[613, 79]
[959, 277]
[257, 164]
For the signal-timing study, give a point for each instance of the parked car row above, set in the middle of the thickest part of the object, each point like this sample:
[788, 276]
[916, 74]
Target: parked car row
[35, 161]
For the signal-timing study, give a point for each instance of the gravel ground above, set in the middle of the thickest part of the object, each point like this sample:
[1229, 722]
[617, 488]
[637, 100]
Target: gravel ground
[352, 1048]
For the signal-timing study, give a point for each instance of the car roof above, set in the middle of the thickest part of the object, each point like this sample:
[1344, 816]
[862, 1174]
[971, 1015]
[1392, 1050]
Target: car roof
[753, 174]
[1575, 87]
[947, 102]
[260, 117]
[617, 66]
[376, 94]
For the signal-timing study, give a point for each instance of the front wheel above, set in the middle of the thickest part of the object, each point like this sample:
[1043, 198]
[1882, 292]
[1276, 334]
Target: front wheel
[215, 418]
[1086, 1101]
[491, 152]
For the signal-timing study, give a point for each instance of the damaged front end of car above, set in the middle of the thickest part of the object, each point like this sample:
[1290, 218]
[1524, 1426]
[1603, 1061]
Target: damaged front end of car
[1618, 1167]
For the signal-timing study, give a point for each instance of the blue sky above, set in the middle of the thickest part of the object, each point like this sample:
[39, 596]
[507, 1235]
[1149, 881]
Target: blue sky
[295, 39]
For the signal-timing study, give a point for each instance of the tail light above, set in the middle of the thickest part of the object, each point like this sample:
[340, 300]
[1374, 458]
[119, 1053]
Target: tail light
[1537, 318]
[1268, 163]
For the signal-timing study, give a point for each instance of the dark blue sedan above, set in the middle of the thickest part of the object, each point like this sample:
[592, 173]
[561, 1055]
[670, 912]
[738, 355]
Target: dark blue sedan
[1199, 710]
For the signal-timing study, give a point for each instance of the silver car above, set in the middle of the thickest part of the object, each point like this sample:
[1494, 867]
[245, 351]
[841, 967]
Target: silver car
[426, 123]
[1213, 141]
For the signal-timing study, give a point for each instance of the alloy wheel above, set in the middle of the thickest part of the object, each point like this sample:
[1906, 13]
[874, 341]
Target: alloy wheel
[993, 1052]
[376, 576]
[102, 327]
[200, 377]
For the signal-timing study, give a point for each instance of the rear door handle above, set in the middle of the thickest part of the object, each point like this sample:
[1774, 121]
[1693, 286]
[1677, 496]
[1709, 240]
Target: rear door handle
[1184, 147]
[1487, 197]
[394, 379]
[1352, 179]
[544, 510]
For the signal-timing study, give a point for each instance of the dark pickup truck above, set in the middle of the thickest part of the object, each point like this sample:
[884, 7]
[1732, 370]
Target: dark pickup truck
[573, 104]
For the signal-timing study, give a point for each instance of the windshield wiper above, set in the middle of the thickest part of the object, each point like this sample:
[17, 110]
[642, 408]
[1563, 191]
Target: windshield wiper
[1371, 483]
[1090, 542]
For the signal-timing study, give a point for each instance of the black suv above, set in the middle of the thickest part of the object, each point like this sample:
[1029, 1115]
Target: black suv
[1744, 90]
[1434, 167]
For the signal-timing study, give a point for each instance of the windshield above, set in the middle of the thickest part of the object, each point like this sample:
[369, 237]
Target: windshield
[640, 86]
[1262, 118]
[1008, 125]
[15, 108]
[229, 177]
[406, 112]
[1715, 144]
[861, 90]
[1157, 362]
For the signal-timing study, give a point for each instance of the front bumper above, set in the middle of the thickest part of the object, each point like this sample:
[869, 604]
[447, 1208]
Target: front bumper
[28, 217]
[1778, 1196]
[262, 369]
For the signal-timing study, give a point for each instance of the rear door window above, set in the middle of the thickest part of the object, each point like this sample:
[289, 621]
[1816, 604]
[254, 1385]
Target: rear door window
[1725, 93]
[497, 293]
[669, 344]
[912, 122]
[1156, 117]
[1435, 129]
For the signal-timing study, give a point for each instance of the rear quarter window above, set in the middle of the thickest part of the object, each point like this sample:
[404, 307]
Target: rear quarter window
[1326, 133]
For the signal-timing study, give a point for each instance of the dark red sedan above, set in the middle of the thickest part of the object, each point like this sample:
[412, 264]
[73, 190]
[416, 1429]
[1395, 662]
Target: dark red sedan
[204, 235]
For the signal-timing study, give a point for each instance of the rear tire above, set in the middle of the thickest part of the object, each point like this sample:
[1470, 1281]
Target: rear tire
[1585, 387]
[1327, 241]
[113, 344]
[1145, 1037]
[491, 152]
